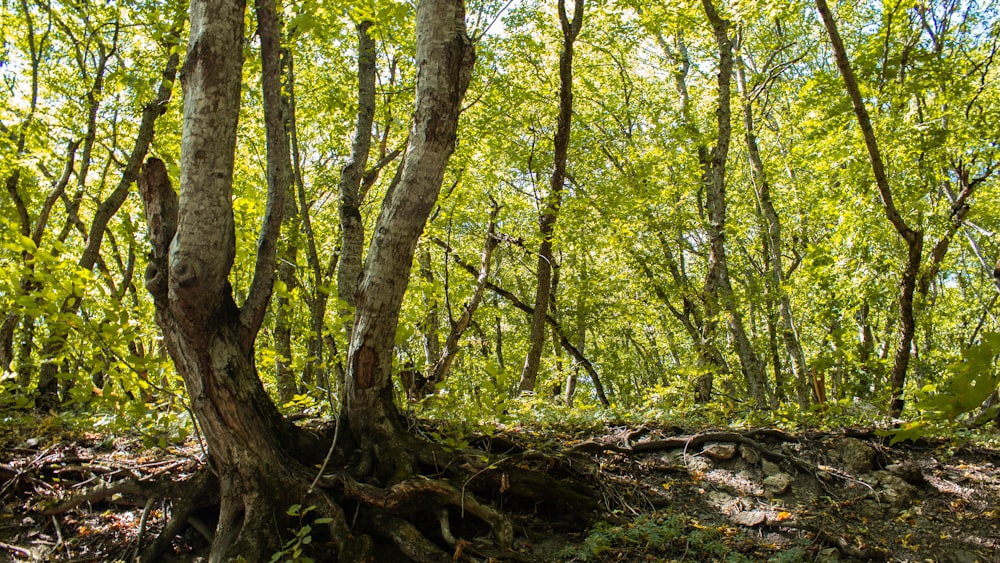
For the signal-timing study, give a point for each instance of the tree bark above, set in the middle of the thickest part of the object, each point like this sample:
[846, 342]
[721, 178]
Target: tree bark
[914, 239]
[351, 226]
[718, 289]
[209, 338]
[445, 57]
[551, 203]
[789, 335]
[289, 247]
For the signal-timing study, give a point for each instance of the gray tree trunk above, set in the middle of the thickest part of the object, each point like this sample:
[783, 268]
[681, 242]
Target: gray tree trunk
[445, 57]
[718, 289]
[789, 335]
[351, 226]
[209, 338]
[550, 205]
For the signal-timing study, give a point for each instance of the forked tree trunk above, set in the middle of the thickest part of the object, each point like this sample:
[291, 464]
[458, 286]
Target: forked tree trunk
[445, 57]
[209, 338]
[256, 453]
[913, 238]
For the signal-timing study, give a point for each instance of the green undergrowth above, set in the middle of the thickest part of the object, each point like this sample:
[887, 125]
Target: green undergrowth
[669, 535]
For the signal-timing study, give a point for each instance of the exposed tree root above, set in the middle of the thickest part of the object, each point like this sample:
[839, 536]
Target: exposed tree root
[445, 507]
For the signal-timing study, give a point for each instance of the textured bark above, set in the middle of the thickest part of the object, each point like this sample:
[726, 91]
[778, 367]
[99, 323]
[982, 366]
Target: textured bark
[551, 203]
[209, 338]
[914, 239]
[431, 322]
[288, 251]
[718, 288]
[444, 56]
[351, 226]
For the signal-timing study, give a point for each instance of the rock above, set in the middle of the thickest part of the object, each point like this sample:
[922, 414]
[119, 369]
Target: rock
[673, 458]
[770, 468]
[749, 454]
[750, 518]
[719, 498]
[909, 472]
[720, 451]
[856, 454]
[777, 484]
[698, 465]
[892, 489]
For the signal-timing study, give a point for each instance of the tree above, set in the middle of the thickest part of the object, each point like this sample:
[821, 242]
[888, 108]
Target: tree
[259, 456]
[550, 203]
[719, 295]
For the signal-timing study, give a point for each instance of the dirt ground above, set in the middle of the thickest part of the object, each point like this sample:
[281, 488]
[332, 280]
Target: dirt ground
[665, 494]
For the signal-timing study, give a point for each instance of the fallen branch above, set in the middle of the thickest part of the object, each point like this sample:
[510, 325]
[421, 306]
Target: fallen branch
[19, 551]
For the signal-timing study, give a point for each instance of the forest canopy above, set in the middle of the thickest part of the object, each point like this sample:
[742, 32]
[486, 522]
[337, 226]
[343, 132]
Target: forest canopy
[812, 262]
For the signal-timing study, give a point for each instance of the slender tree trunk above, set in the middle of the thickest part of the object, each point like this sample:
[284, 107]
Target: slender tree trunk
[7, 341]
[914, 239]
[351, 226]
[288, 254]
[700, 325]
[442, 366]
[718, 289]
[431, 322]
[550, 205]
[789, 335]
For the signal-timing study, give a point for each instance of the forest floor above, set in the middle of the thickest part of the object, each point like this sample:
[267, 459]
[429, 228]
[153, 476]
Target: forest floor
[666, 494]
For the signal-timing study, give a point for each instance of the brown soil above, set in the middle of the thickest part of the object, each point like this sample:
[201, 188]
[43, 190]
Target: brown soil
[666, 495]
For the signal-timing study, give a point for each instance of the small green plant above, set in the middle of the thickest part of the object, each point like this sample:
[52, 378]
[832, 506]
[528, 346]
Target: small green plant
[661, 534]
[293, 550]
[972, 380]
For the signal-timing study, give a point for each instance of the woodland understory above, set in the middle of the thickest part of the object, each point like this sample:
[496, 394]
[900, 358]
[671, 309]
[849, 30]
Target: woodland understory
[615, 493]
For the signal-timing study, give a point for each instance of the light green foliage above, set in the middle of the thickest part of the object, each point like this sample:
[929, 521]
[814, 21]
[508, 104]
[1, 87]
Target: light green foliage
[664, 535]
[294, 549]
[968, 383]
[630, 244]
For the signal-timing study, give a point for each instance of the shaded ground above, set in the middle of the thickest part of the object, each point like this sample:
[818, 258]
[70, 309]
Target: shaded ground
[667, 494]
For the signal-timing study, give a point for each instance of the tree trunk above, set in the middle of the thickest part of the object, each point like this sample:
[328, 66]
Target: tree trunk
[445, 57]
[718, 289]
[789, 335]
[431, 323]
[351, 226]
[442, 365]
[209, 338]
[284, 376]
[914, 239]
[550, 205]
